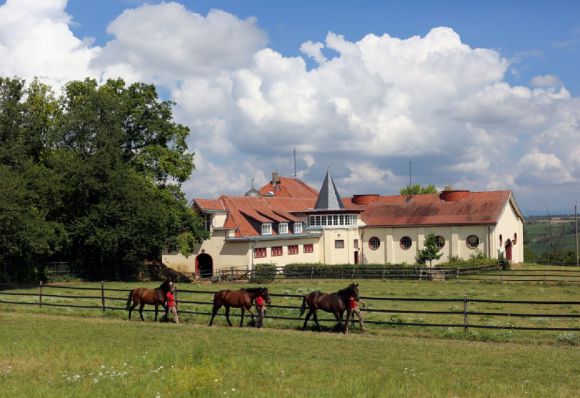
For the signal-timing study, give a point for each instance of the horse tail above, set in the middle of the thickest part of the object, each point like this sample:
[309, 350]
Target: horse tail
[129, 299]
[303, 308]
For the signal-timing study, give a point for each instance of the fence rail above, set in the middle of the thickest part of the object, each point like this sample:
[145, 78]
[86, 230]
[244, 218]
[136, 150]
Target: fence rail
[467, 313]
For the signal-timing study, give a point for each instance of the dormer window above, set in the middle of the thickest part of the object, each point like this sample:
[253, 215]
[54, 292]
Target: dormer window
[267, 229]
[297, 227]
[283, 228]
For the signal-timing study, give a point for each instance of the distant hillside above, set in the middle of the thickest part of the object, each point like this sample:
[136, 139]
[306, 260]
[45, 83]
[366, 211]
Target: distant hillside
[543, 239]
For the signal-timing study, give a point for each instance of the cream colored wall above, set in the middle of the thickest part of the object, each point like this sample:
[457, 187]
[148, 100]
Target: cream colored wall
[218, 220]
[286, 258]
[223, 255]
[390, 250]
[508, 224]
[330, 254]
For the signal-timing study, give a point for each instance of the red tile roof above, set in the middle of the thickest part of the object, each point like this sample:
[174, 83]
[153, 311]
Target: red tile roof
[243, 210]
[245, 214]
[289, 188]
[400, 210]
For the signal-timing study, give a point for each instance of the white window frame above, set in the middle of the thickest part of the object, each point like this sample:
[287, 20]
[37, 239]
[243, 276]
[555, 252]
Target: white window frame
[267, 228]
[297, 227]
[283, 228]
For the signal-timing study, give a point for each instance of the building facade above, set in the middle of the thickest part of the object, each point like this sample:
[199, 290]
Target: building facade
[286, 221]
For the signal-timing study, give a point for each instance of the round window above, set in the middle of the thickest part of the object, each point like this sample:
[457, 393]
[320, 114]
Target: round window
[439, 241]
[406, 242]
[472, 241]
[374, 243]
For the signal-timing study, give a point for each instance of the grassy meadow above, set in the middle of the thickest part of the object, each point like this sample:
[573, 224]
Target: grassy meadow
[61, 356]
[76, 352]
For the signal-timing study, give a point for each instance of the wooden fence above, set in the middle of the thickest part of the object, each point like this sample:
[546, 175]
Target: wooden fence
[466, 307]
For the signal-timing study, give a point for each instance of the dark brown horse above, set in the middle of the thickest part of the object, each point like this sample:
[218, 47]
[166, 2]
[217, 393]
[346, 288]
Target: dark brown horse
[242, 298]
[336, 303]
[142, 296]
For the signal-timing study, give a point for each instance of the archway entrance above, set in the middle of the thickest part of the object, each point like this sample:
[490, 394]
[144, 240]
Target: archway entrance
[508, 250]
[204, 266]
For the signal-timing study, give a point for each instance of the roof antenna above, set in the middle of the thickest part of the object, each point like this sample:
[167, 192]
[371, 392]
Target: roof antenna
[294, 162]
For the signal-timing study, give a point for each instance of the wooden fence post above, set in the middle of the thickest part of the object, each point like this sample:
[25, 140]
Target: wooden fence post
[40, 295]
[465, 320]
[103, 295]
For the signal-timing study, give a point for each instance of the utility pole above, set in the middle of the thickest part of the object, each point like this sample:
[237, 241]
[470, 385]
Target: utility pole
[294, 162]
[576, 220]
[410, 174]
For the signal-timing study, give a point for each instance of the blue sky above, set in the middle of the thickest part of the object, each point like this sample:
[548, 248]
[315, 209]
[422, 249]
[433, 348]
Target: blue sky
[544, 36]
[482, 95]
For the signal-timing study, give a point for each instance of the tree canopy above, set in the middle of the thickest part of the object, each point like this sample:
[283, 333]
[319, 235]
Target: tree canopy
[92, 176]
[417, 189]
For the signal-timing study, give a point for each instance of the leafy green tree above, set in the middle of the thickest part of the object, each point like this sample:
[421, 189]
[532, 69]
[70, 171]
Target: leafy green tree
[93, 176]
[417, 189]
[430, 250]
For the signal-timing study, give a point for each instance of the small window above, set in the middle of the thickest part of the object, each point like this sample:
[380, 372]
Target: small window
[297, 227]
[267, 229]
[339, 244]
[206, 218]
[439, 241]
[276, 251]
[260, 252]
[406, 242]
[355, 244]
[374, 243]
[308, 248]
[293, 249]
[283, 228]
[472, 241]
[515, 238]
[335, 219]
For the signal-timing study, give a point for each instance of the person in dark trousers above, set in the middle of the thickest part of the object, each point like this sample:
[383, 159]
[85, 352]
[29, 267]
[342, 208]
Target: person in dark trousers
[260, 310]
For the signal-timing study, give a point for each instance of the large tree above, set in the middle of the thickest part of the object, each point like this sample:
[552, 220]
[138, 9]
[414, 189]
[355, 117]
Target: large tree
[111, 161]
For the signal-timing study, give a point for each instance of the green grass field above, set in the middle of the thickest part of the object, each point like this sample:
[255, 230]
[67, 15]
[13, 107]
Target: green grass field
[538, 237]
[58, 356]
[59, 351]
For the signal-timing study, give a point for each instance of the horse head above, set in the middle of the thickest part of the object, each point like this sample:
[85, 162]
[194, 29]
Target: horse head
[266, 295]
[350, 291]
[166, 286]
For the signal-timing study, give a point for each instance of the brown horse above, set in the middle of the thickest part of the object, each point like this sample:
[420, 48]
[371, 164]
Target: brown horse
[335, 303]
[142, 296]
[242, 298]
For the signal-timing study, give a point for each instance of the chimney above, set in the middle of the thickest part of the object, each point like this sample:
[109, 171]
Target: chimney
[275, 178]
[453, 196]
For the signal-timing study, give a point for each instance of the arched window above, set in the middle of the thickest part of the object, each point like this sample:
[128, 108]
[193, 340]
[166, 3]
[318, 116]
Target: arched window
[472, 241]
[440, 241]
[515, 238]
[406, 242]
[374, 243]
[500, 240]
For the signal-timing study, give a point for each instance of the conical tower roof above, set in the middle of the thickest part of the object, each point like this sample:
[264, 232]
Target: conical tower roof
[328, 198]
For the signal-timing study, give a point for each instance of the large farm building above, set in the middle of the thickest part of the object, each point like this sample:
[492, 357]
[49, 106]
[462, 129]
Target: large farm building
[286, 221]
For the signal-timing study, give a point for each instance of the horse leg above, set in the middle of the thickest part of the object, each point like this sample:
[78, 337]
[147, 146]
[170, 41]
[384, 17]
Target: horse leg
[348, 318]
[141, 311]
[316, 319]
[306, 319]
[131, 308]
[156, 310]
[242, 320]
[228, 315]
[214, 312]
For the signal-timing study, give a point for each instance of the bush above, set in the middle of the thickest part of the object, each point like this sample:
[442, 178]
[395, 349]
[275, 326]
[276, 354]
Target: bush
[348, 271]
[264, 273]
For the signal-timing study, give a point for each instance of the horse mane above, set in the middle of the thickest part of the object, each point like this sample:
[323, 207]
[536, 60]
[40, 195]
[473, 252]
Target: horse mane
[347, 290]
[165, 286]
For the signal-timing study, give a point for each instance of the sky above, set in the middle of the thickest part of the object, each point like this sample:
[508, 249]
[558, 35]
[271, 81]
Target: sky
[479, 95]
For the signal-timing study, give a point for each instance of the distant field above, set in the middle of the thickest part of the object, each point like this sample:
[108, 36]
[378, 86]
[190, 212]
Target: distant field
[58, 356]
[538, 236]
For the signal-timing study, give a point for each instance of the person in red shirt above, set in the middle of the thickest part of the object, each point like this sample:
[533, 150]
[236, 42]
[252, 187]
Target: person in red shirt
[261, 310]
[171, 304]
[353, 308]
